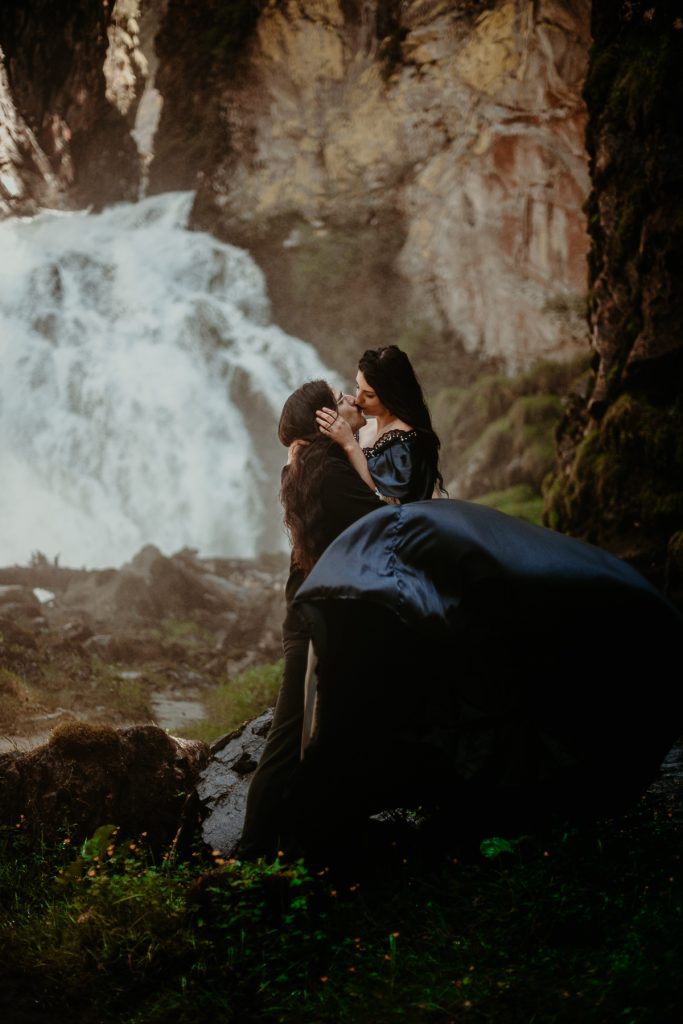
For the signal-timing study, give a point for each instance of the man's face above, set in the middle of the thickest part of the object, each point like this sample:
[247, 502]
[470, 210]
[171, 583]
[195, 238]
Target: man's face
[348, 410]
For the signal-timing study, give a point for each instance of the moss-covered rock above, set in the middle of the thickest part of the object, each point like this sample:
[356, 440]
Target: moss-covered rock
[619, 474]
[625, 483]
[88, 775]
[499, 433]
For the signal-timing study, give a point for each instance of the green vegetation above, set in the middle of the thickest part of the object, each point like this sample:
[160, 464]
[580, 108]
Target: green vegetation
[42, 671]
[625, 478]
[521, 501]
[14, 698]
[184, 631]
[498, 436]
[236, 701]
[565, 926]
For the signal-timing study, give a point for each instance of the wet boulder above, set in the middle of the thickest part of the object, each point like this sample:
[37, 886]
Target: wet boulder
[224, 782]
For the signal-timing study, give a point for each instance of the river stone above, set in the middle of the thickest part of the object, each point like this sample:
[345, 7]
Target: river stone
[223, 784]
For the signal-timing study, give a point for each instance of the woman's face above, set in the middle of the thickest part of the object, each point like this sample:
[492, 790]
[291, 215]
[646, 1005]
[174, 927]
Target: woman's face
[366, 398]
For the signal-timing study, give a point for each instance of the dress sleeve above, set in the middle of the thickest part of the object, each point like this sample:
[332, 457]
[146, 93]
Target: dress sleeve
[393, 470]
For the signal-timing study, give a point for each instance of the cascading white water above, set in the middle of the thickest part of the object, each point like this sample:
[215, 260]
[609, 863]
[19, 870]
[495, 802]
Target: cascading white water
[141, 385]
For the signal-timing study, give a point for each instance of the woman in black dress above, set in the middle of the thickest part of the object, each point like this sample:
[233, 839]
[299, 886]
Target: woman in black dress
[496, 672]
[397, 452]
[493, 671]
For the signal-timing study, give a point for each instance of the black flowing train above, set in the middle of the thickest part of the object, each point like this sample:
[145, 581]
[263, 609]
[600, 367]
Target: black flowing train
[497, 671]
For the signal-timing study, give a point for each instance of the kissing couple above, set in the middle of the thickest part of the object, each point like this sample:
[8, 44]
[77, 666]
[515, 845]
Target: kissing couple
[492, 673]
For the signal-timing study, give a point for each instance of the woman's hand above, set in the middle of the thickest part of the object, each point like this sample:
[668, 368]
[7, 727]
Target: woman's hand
[294, 449]
[335, 426]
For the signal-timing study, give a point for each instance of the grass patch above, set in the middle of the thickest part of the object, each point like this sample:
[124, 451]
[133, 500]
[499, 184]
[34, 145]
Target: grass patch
[521, 501]
[183, 631]
[573, 924]
[236, 701]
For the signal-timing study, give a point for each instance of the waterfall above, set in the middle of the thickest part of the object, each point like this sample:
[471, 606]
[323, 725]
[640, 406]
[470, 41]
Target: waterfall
[141, 386]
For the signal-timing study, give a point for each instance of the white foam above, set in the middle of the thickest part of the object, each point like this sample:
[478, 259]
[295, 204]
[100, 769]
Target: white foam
[131, 350]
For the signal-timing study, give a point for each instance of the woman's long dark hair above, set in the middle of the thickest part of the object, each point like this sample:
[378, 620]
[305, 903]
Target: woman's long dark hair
[391, 375]
[300, 492]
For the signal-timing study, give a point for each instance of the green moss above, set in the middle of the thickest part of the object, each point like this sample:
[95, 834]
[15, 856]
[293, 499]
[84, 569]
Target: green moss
[643, 433]
[501, 431]
[551, 377]
[522, 501]
[81, 739]
[535, 410]
[625, 479]
[566, 495]
[461, 416]
[666, 507]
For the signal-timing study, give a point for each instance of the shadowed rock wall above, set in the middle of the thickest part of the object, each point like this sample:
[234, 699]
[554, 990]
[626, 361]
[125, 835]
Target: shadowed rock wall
[620, 477]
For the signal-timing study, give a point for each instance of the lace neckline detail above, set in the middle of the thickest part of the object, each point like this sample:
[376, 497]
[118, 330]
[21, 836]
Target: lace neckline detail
[388, 439]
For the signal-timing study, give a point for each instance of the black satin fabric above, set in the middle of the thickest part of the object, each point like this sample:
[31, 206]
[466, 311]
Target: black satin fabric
[401, 470]
[500, 672]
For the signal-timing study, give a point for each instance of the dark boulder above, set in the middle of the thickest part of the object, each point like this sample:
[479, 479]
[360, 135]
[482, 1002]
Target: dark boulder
[223, 784]
[89, 775]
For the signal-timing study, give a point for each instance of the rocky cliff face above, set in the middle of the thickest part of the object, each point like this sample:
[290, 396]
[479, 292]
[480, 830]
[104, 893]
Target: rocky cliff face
[402, 170]
[620, 480]
[61, 141]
